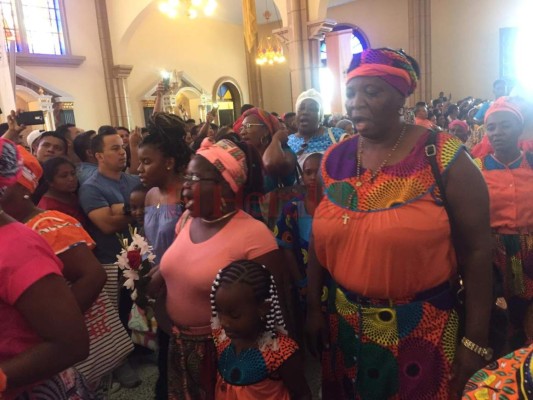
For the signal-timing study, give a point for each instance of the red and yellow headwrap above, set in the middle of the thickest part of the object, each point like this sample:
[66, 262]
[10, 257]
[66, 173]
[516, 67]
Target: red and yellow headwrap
[10, 164]
[228, 159]
[505, 103]
[271, 122]
[31, 170]
[393, 66]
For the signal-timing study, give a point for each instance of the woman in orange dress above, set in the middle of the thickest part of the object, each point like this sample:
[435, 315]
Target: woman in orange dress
[383, 237]
[509, 176]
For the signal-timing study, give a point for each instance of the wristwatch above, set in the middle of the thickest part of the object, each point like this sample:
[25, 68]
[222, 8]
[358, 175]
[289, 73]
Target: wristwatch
[485, 352]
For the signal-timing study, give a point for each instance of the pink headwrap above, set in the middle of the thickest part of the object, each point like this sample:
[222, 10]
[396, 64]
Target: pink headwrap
[504, 104]
[228, 159]
[10, 164]
[458, 122]
[392, 66]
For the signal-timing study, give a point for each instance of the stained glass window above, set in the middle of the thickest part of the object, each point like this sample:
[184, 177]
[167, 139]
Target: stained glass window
[35, 24]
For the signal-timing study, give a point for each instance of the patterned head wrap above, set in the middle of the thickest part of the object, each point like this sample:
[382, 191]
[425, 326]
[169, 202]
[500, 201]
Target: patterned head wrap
[228, 159]
[10, 164]
[393, 66]
[31, 170]
[271, 122]
[458, 122]
[505, 104]
[313, 95]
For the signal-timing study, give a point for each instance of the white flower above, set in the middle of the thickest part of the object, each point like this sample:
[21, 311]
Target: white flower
[138, 242]
[134, 295]
[131, 276]
[122, 260]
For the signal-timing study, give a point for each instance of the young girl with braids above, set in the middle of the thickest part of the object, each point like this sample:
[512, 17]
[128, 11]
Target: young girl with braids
[256, 358]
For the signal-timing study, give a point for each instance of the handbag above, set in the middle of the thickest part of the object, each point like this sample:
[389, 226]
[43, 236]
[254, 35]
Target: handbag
[143, 327]
[109, 343]
[499, 318]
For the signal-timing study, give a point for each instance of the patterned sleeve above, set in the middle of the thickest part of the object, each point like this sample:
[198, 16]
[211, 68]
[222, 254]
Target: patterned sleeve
[285, 229]
[449, 148]
[61, 231]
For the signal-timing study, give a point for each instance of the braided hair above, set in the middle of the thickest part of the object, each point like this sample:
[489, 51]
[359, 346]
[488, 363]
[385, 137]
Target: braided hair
[166, 132]
[259, 278]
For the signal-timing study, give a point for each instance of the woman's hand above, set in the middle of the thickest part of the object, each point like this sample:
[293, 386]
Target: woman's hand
[281, 135]
[465, 364]
[316, 331]
[14, 129]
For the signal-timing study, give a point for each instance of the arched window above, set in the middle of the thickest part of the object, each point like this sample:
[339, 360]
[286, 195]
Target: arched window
[37, 26]
[359, 42]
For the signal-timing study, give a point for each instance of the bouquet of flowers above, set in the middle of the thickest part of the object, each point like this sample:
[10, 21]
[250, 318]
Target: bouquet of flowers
[136, 259]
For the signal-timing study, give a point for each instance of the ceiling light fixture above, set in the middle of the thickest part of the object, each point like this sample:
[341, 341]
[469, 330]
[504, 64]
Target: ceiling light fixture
[270, 49]
[191, 8]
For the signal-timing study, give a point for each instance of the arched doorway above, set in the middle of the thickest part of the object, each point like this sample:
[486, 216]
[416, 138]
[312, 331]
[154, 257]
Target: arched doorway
[227, 95]
[188, 103]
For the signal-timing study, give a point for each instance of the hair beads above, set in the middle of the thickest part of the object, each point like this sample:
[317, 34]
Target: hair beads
[264, 288]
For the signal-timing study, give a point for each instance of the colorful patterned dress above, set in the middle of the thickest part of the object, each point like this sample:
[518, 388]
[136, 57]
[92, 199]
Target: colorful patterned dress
[293, 232]
[251, 374]
[510, 377]
[387, 247]
[511, 208]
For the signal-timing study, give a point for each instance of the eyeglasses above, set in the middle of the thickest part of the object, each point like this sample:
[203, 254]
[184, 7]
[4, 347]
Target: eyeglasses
[195, 178]
[248, 125]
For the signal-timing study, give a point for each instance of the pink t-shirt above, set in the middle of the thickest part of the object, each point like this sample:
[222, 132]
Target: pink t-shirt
[25, 258]
[190, 268]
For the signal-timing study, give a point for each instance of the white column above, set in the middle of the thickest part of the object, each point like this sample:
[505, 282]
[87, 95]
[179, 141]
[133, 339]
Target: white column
[339, 48]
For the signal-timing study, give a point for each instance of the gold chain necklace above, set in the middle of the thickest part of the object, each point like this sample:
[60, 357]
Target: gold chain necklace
[375, 173]
[214, 221]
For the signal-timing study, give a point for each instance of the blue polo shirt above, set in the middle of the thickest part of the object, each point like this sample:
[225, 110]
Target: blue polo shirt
[99, 191]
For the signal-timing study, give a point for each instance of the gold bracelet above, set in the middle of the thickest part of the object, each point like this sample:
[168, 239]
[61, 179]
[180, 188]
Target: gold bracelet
[485, 352]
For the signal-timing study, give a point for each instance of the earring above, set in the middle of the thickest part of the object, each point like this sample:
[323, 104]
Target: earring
[168, 168]
[401, 111]
[26, 197]
[265, 140]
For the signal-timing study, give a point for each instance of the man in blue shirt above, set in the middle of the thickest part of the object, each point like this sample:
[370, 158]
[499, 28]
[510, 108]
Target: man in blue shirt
[104, 195]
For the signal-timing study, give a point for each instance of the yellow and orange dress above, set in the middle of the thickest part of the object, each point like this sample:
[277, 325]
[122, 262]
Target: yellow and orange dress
[387, 246]
[511, 219]
[510, 377]
[251, 374]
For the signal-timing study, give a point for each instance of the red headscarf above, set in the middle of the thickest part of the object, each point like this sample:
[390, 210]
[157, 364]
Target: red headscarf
[271, 122]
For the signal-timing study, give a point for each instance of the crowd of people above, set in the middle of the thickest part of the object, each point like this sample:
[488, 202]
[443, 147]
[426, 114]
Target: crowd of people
[394, 244]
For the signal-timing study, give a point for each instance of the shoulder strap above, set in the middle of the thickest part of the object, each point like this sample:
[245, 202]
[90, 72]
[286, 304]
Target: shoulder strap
[332, 136]
[431, 154]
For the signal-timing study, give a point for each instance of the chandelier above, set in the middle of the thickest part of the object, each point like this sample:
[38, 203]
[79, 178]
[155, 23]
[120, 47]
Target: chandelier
[270, 50]
[192, 8]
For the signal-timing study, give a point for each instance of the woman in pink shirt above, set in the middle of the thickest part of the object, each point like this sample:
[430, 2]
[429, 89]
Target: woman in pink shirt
[212, 233]
[35, 353]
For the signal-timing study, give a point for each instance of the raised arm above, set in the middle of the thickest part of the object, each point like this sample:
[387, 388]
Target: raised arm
[278, 159]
